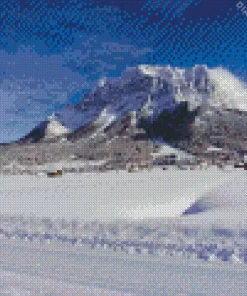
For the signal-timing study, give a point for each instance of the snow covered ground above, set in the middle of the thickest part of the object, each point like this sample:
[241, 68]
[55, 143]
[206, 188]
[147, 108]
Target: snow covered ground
[225, 204]
[109, 195]
[27, 269]
[13, 284]
[57, 267]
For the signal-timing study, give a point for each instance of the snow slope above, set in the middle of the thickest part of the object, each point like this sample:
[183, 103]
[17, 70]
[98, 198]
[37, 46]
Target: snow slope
[107, 196]
[226, 203]
[39, 268]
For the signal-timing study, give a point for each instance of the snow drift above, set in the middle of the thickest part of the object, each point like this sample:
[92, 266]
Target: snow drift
[227, 202]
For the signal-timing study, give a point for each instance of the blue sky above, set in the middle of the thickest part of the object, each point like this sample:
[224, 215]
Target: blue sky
[51, 52]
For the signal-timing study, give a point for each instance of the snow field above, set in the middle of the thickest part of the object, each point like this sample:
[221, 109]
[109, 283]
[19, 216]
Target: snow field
[108, 196]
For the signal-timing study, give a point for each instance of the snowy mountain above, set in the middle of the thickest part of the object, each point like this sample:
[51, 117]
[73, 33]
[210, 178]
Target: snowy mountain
[151, 91]
[165, 86]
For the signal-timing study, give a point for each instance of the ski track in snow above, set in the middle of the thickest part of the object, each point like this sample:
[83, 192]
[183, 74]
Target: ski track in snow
[39, 271]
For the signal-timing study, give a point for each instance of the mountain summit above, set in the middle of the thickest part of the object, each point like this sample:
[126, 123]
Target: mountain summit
[152, 92]
[49, 130]
[166, 86]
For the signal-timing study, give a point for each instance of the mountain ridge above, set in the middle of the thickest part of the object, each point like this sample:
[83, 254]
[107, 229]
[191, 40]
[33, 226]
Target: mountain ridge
[153, 92]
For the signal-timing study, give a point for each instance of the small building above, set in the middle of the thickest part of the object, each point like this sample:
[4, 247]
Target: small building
[137, 164]
[54, 170]
[55, 173]
[167, 155]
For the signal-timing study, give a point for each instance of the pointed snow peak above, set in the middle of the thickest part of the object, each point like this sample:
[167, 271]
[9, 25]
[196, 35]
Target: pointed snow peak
[153, 71]
[105, 117]
[54, 127]
[51, 118]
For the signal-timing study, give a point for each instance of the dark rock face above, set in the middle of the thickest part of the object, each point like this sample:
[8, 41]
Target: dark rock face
[173, 125]
[195, 130]
[36, 135]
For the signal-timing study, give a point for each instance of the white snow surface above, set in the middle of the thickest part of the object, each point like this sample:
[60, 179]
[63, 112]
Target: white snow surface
[112, 195]
[226, 204]
[38, 270]
[19, 284]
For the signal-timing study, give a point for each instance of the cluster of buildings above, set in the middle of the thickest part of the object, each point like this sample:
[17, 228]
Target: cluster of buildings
[123, 154]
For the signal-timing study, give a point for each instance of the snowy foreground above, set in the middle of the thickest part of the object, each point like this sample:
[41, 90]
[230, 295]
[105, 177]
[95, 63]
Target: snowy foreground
[40, 269]
[123, 234]
[110, 195]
